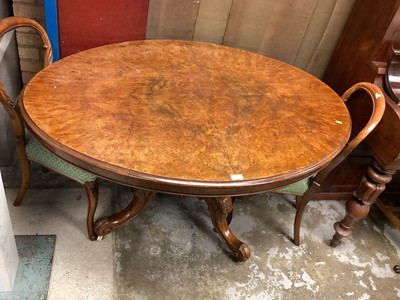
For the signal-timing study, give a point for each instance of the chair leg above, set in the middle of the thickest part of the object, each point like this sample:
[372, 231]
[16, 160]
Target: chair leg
[301, 203]
[298, 200]
[24, 165]
[92, 192]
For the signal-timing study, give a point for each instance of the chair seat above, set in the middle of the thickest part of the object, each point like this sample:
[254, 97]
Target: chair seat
[39, 153]
[298, 188]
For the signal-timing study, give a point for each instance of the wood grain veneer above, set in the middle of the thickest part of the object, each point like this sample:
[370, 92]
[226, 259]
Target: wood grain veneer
[181, 116]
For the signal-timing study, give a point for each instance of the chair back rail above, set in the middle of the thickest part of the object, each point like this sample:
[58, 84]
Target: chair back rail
[361, 128]
[378, 107]
[11, 23]
[10, 106]
[15, 117]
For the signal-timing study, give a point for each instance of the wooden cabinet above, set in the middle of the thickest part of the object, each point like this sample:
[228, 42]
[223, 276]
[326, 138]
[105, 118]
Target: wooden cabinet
[361, 54]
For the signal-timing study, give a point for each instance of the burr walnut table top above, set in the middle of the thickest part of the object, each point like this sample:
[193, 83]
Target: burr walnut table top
[186, 117]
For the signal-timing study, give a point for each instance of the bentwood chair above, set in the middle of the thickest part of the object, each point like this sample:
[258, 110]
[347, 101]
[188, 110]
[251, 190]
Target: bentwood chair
[28, 148]
[361, 128]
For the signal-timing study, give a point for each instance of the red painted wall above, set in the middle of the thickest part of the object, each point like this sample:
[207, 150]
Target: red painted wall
[85, 24]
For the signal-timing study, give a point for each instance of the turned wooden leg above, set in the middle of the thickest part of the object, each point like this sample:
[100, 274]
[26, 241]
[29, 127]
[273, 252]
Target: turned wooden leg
[92, 193]
[140, 200]
[219, 208]
[371, 186]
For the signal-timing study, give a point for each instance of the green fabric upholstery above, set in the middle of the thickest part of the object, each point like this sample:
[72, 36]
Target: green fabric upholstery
[38, 153]
[298, 188]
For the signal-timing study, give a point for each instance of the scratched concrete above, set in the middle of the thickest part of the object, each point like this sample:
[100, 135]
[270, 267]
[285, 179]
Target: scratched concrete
[170, 251]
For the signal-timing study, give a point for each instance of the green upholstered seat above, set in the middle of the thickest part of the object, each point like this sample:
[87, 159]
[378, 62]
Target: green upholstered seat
[298, 188]
[38, 153]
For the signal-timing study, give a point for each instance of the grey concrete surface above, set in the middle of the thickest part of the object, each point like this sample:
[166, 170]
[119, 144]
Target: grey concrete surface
[82, 269]
[170, 251]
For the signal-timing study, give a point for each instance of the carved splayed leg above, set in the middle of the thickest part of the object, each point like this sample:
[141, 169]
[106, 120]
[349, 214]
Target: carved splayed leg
[220, 208]
[139, 202]
[230, 214]
[371, 186]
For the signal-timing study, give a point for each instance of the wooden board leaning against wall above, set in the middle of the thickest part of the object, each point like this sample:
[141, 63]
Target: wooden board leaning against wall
[302, 32]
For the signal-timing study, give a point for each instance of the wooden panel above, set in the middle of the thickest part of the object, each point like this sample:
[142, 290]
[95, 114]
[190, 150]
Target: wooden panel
[83, 25]
[361, 55]
[327, 42]
[315, 31]
[303, 33]
[172, 19]
[212, 20]
[350, 61]
[273, 28]
[344, 179]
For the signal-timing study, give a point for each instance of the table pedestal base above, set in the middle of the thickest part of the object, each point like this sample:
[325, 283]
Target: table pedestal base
[140, 200]
[219, 207]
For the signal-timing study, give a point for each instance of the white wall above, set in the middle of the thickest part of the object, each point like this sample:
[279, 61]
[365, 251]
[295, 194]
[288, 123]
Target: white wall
[8, 249]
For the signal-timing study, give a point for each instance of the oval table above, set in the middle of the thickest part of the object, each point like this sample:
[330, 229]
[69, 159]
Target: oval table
[186, 118]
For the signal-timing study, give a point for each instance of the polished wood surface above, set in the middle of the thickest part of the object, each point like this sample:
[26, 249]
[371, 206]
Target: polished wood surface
[186, 117]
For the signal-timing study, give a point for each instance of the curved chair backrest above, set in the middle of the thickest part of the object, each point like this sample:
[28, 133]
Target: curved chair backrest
[10, 106]
[30, 149]
[11, 23]
[378, 103]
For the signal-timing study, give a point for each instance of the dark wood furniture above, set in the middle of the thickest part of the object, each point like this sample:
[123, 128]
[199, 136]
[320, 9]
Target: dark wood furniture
[361, 54]
[186, 118]
[360, 130]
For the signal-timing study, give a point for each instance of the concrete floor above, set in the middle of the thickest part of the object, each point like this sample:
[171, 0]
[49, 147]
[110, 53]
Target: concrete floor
[170, 251]
[81, 269]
